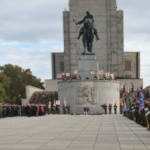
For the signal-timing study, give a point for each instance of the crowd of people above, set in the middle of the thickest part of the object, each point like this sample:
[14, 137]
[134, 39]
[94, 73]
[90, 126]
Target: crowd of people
[9, 110]
[130, 104]
[104, 106]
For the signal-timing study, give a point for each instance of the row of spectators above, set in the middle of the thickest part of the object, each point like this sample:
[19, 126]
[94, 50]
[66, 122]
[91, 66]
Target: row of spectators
[8, 110]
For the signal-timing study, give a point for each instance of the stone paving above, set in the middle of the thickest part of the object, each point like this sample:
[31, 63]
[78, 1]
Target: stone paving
[65, 132]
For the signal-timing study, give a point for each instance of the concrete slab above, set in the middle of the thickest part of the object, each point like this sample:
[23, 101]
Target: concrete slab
[65, 132]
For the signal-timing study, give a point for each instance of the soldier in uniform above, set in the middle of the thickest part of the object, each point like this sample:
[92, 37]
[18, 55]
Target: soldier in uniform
[88, 16]
[4, 110]
[1, 110]
[110, 107]
[115, 108]
[64, 109]
[105, 108]
[68, 108]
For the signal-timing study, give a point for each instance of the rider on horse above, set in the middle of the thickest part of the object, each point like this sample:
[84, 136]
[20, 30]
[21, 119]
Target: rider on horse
[88, 16]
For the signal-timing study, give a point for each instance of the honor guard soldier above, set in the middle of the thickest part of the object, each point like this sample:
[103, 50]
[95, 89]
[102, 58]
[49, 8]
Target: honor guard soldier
[64, 109]
[115, 108]
[95, 77]
[68, 108]
[105, 108]
[58, 109]
[110, 107]
[1, 111]
[54, 109]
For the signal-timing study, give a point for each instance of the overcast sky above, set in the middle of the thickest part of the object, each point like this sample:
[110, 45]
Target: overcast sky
[31, 29]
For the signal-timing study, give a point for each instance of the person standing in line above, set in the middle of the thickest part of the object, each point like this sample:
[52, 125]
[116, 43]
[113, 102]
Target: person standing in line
[19, 109]
[115, 108]
[1, 111]
[110, 107]
[105, 108]
[4, 110]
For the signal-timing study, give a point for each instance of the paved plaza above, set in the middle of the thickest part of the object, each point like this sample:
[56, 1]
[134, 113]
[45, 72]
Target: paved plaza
[66, 132]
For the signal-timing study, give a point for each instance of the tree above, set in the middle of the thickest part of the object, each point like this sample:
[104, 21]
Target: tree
[4, 87]
[19, 78]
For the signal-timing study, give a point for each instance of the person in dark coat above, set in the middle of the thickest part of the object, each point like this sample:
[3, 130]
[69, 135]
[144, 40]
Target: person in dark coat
[110, 107]
[115, 108]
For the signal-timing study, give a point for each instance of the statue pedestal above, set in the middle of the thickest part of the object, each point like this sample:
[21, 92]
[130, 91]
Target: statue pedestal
[86, 64]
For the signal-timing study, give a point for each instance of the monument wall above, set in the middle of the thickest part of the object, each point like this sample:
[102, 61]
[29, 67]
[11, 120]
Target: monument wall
[109, 23]
[92, 94]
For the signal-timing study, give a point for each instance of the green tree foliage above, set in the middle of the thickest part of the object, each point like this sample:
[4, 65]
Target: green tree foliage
[19, 78]
[4, 87]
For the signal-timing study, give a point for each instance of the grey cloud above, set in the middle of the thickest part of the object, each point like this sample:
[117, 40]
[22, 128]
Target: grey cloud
[31, 20]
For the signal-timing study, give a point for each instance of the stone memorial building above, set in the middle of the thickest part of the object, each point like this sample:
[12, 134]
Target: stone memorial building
[109, 58]
[110, 54]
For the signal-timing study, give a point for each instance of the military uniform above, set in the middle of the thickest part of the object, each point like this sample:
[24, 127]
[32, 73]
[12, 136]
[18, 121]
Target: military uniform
[1, 112]
[68, 108]
[105, 108]
[64, 109]
[148, 117]
[110, 107]
[115, 109]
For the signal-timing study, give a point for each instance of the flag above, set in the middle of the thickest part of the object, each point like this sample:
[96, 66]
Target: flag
[124, 107]
[141, 103]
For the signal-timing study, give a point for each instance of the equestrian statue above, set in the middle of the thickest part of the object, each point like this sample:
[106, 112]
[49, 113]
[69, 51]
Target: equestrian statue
[87, 31]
